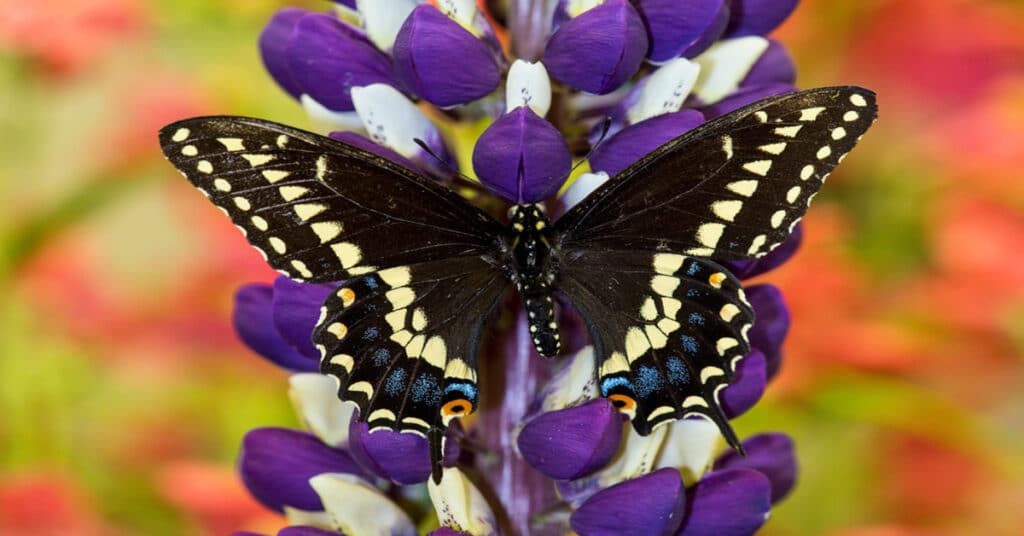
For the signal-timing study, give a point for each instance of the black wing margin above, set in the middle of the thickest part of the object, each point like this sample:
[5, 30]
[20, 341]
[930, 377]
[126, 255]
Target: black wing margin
[318, 209]
[732, 188]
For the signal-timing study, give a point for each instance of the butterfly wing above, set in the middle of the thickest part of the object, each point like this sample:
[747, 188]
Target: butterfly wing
[668, 322]
[421, 267]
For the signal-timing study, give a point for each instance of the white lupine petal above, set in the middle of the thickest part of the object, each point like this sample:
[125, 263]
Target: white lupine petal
[582, 187]
[636, 456]
[573, 384]
[665, 90]
[308, 518]
[359, 508]
[578, 7]
[391, 119]
[725, 65]
[528, 84]
[462, 11]
[327, 119]
[691, 446]
[315, 397]
[383, 18]
[459, 504]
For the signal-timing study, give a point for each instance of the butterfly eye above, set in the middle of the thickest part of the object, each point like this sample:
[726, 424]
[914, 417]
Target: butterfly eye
[459, 407]
[623, 403]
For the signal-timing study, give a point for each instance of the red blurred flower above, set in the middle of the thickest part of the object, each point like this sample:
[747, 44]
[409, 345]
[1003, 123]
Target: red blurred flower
[46, 504]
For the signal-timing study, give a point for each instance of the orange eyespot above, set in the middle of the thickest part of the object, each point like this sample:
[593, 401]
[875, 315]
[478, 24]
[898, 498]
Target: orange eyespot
[347, 296]
[456, 408]
[623, 403]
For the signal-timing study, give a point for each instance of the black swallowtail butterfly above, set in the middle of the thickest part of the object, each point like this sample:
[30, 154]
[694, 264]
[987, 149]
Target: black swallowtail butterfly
[421, 267]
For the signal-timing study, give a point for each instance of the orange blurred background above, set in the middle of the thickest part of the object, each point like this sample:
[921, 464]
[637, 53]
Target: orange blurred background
[124, 393]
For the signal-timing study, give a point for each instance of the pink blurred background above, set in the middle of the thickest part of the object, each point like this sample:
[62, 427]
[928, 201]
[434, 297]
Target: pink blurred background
[124, 393]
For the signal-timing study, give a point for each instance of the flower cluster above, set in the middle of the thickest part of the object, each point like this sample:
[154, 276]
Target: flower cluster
[532, 86]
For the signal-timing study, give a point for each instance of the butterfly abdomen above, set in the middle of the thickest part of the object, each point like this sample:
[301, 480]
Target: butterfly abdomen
[533, 274]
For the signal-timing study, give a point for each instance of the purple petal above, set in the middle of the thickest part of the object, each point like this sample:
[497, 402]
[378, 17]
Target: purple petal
[599, 50]
[351, 4]
[277, 463]
[573, 442]
[758, 17]
[370, 146]
[441, 61]
[753, 267]
[307, 531]
[521, 157]
[328, 58]
[253, 317]
[744, 96]
[273, 45]
[635, 141]
[403, 458]
[747, 385]
[682, 30]
[733, 502]
[648, 505]
[771, 324]
[773, 455]
[775, 66]
[296, 310]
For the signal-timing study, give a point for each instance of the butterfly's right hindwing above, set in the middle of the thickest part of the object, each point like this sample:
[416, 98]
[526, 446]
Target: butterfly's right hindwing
[320, 210]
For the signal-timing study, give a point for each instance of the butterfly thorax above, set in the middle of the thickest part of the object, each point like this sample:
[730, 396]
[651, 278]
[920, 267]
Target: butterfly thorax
[533, 273]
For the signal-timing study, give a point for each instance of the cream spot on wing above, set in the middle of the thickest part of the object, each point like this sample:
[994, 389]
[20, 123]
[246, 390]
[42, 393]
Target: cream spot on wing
[758, 167]
[400, 297]
[344, 361]
[396, 277]
[180, 135]
[259, 223]
[708, 234]
[727, 210]
[649, 311]
[755, 246]
[761, 116]
[348, 254]
[858, 100]
[728, 312]
[222, 185]
[301, 268]
[811, 114]
[700, 252]
[416, 422]
[838, 133]
[279, 246]
[667, 263]
[415, 346]
[725, 344]
[655, 336]
[321, 167]
[777, 218]
[789, 132]
[232, 144]
[694, 400]
[667, 325]
[806, 172]
[636, 344]
[773, 148]
[204, 166]
[793, 194]
[275, 175]
[347, 297]
[745, 188]
[326, 230]
[851, 116]
[360, 270]
[727, 146]
[305, 211]
[257, 159]
[242, 203]
[459, 369]
[716, 279]
[382, 415]
[435, 352]
[664, 285]
[282, 140]
[338, 329]
[402, 337]
[659, 411]
[710, 372]
[824, 152]
[362, 387]
[396, 319]
[615, 364]
[291, 193]
[671, 307]
[419, 319]
[189, 150]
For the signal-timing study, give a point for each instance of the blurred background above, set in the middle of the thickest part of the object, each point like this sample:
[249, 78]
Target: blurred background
[124, 393]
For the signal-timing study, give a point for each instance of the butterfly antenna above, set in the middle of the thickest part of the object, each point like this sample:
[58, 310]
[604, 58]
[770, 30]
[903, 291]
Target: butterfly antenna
[605, 126]
[454, 170]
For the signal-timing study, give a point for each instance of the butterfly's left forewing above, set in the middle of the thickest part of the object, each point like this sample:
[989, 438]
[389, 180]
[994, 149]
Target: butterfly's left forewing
[638, 258]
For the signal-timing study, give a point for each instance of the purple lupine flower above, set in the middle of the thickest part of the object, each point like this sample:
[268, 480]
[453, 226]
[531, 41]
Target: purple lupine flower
[377, 74]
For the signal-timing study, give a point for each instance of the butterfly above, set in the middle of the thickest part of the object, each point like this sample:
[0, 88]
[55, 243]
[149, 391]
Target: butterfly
[419, 268]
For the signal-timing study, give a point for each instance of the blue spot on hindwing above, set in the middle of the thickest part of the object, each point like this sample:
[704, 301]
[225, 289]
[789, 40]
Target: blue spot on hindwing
[426, 391]
[468, 390]
[693, 269]
[608, 384]
[648, 380]
[371, 282]
[678, 374]
[692, 293]
[371, 334]
[696, 319]
[395, 383]
[381, 357]
[690, 346]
